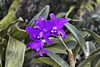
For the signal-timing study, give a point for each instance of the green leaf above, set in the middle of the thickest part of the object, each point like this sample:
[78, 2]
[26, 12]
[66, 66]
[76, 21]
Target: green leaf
[58, 59]
[14, 22]
[45, 60]
[88, 5]
[44, 13]
[18, 33]
[96, 36]
[87, 60]
[85, 6]
[59, 15]
[15, 52]
[4, 23]
[29, 55]
[90, 46]
[57, 47]
[95, 61]
[95, 51]
[81, 9]
[93, 2]
[3, 42]
[84, 34]
[77, 48]
[98, 64]
[77, 36]
[69, 19]
[1, 52]
[69, 11]
[6, 28]
[98, 1]
[75, 51]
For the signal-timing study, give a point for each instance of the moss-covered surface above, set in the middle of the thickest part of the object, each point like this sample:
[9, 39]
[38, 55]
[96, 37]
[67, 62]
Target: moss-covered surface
[10, 16]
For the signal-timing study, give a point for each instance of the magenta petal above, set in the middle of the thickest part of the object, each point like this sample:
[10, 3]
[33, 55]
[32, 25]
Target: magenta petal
[28, 29]
[40, 18]
[34, 52]
[40, 53]
[36, 45]
[36, 22]
[48, 40]
[32, 30]
[28, 44]
[62, 32]
[60, 22]
[44, 51]
[52, 16]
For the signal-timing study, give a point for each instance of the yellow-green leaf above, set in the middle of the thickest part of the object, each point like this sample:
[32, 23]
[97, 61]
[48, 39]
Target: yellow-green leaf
[18, 33]
[15, 52]
[69, 11]
[1, 52]
[91, 1]
[88, 5]
[4, 23]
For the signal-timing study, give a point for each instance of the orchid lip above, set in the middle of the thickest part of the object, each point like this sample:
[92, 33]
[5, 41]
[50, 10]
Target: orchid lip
[54, 30]
[38, 49]
[38, 37]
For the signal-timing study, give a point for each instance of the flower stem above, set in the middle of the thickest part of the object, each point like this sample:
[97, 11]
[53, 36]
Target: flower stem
[69, 51]
[63, 43]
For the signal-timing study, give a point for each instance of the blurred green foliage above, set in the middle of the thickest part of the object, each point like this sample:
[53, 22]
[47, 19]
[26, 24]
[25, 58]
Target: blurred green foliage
[14, 53]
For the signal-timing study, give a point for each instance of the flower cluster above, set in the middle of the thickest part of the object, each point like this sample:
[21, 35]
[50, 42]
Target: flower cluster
[44, 28]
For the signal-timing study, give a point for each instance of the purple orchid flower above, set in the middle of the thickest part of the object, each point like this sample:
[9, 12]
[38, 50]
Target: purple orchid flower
[52, 27]
[37, 46]
[35, 33]
[36, 40]
[57, 25]
[45, 26]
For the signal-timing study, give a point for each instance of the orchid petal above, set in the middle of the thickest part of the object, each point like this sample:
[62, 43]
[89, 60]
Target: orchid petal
[52, 16]
[40, 53]
[48, 40]
[44, 51]
[40, 18]
[60, 22]
[36, 22]
[28, 44]
[62, 32]
[28, 29]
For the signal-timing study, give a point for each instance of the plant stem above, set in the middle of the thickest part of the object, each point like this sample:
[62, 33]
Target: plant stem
[63, 43]
[70, 54]
[71, 58]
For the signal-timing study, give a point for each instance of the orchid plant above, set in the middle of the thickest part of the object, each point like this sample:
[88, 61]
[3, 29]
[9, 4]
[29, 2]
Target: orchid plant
[45, 28]
[47, 38]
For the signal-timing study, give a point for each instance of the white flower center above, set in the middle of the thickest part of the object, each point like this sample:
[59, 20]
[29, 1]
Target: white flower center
[54, 30]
